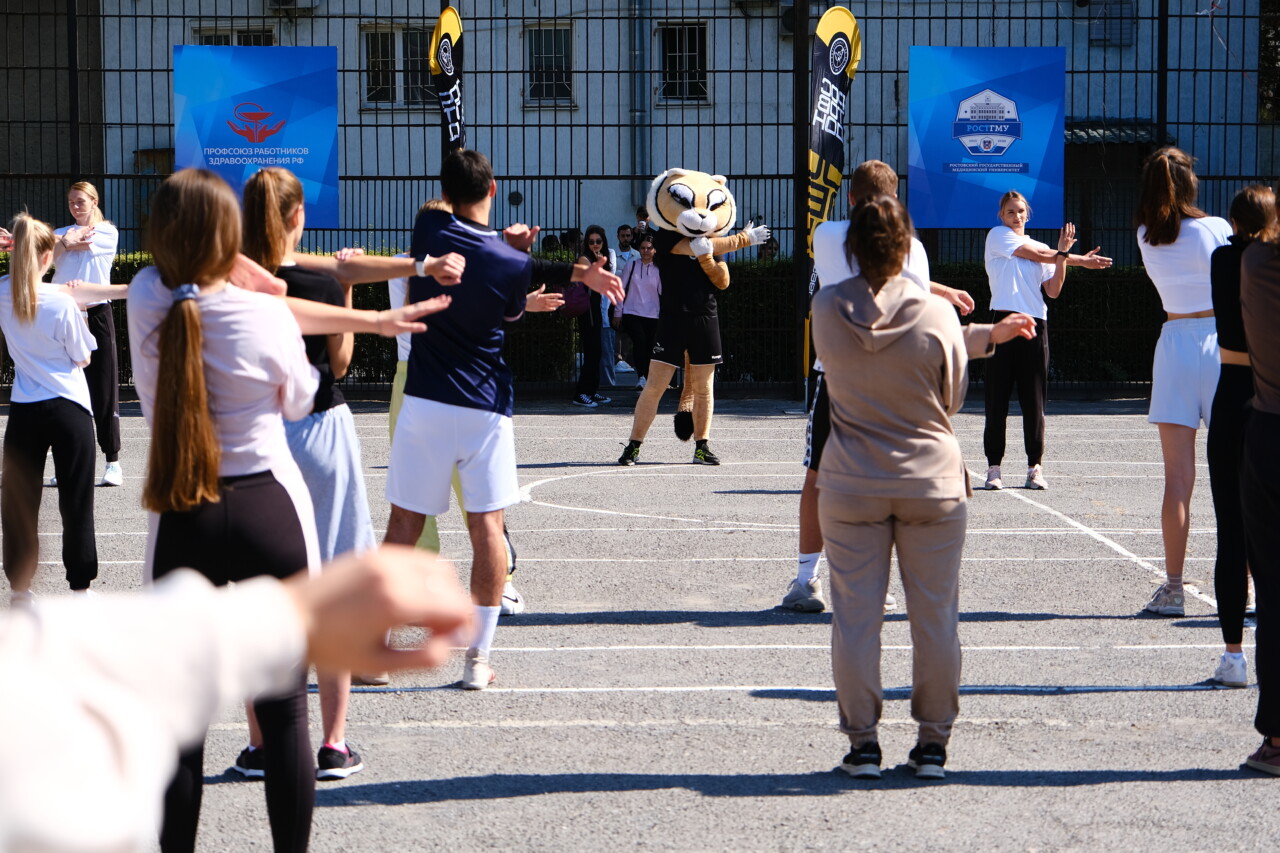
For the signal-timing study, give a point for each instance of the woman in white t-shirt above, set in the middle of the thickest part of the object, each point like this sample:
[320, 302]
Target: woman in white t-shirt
[1177, 239]
[48, 410]
[1022, 272]
[85, 252]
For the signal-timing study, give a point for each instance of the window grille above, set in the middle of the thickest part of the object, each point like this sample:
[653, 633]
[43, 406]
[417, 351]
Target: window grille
[1112, 23]
[684, 61]
[550, 64]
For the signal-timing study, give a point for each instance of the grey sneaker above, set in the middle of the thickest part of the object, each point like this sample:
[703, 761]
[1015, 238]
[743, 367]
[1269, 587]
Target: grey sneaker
[1035, 479]
[1232, 671]
[805, 597]
[993, 479]
[1166, 602]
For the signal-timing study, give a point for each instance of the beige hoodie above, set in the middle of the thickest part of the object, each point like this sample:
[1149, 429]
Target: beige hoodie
[896, 366]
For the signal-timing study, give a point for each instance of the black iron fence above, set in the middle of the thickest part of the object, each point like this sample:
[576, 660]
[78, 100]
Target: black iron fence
[579, 104]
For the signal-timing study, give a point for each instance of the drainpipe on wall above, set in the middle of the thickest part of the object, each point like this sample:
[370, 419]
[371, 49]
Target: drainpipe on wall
[638, 71]
[73, 85]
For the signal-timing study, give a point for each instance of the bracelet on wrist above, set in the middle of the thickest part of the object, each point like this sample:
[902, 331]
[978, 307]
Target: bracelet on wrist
[1063, 254]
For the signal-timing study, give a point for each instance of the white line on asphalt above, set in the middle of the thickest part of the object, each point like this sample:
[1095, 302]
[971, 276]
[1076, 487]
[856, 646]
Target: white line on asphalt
[965, 689]
[1110, 543]
[762, 647]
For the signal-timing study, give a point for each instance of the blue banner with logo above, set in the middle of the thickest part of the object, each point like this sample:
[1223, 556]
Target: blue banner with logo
[238, 109]
[982, 121]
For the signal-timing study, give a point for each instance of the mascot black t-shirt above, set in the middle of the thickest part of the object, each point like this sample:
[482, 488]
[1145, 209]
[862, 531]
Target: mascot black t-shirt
[685, 287]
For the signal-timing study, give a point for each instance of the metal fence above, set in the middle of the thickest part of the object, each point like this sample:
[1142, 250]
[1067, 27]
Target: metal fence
[579, 104]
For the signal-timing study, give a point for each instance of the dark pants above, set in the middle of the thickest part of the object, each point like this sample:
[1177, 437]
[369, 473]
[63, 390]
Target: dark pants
[103, 376]
[253, 530]
[1260, 500]
[1226, 435]
[33, 429]
[643, 332]
[1023, 365]
[589, 337]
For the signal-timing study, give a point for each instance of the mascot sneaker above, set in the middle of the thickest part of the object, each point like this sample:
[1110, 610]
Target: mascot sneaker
[630, 453]
[804, 597]
[702, 455]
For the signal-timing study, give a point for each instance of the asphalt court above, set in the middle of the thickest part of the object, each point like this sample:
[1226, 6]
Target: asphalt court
[653, 697]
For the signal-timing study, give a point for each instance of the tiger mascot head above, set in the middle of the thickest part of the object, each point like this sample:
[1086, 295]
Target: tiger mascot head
[691, 203]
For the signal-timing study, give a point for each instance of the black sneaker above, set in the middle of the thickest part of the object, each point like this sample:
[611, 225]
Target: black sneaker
[684, 425]
[584, 401]
[863, 762]
[703, 456]
[630, 454]
[250, 764]
[928, 760]
[600, 399]
[336, 764]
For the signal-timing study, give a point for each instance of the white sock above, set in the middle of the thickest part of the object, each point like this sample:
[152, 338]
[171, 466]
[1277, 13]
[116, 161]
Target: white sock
[1235, 655]
[486, 625]
[808, 567]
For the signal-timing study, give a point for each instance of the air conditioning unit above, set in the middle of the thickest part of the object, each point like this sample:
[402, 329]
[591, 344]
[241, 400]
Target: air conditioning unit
[288, 7]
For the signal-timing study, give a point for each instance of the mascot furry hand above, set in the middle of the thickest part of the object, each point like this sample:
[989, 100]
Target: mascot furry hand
[700, 207]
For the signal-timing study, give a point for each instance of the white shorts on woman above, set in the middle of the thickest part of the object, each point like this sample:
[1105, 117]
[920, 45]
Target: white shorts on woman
[431, 438]
[1185, 374]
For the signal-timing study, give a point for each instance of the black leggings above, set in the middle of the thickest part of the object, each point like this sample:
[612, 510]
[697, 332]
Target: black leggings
[33, 429]
[1260, 501]
[1226, 437]
[589, 337]
[1021, 364]
[253, 530]
[643, 332]
[103, 377]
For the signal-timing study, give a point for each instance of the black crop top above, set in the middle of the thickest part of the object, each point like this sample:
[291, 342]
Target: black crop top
[1224, 276]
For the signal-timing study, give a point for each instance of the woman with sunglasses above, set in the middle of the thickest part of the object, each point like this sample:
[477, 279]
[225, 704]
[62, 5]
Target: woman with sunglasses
[590, 324]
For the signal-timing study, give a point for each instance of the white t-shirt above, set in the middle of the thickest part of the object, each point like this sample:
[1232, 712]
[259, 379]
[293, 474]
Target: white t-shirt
[398, 290]
[46, 350]
[93, 266]
[833, 266]
[1016, 283]
[255, 368]
[1180, 270]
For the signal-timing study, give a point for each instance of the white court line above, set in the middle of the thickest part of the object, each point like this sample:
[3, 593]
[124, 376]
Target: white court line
[965, 689]
[1110, 543]
[792, 558]
[827, 647]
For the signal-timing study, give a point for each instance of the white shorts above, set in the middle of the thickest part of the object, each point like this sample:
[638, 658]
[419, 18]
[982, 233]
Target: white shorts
[431, 438]
[1185, 374]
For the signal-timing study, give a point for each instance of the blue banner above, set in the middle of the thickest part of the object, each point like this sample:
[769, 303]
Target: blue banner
[238, 109]
[982, 121]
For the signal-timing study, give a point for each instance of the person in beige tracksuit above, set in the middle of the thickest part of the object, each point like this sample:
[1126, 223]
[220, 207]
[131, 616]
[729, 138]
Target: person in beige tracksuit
[892, 475]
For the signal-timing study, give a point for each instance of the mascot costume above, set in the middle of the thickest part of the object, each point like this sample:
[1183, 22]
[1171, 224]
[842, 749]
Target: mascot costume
[691, 214]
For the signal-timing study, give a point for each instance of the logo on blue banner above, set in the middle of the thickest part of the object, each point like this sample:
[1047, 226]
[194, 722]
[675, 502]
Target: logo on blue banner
[239, 109]
[982, 121]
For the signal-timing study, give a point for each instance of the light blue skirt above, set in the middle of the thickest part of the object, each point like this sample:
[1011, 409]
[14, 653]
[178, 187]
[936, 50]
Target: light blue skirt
[327, 451]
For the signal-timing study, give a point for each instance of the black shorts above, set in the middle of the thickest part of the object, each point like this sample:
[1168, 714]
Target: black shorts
[815, 435]
[697, 334]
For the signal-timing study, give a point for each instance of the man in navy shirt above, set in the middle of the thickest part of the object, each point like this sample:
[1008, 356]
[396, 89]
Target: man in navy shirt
[457, 406]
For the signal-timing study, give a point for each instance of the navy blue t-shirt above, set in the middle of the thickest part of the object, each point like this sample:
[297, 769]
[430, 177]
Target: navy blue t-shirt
[458, 359]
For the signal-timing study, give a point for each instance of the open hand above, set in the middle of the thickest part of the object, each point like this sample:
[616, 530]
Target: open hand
[700, 246]
[521, 236]
[1067, 237]
[605, 283]
[959, 298]
[538, 301]
[347, 254]
[1013, 326]
[250, 275]
[1092, 260]
[757, 234]
[397, 321]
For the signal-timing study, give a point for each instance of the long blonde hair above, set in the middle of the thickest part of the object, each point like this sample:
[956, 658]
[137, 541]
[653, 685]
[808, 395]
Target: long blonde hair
[194, 235]
[31, 240]
[92, 192]
[270, 198]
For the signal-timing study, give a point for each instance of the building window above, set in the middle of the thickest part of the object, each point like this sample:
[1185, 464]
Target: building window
[397, 67]
[1269, 63]
[550, 64]
[1112, 23]
[240, 38]
[684, 62]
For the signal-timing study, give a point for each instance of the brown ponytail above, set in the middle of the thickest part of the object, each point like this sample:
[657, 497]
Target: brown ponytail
[31, 240]
[1167, 195]
[92, 192]
[1253, 212]
[879, 236]
[270, 198]
[193, 234]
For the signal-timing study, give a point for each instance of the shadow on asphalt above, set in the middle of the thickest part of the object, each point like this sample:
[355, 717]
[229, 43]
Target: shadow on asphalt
[499, 786]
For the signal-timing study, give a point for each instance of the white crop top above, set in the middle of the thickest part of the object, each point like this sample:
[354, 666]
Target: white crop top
[1180, 270]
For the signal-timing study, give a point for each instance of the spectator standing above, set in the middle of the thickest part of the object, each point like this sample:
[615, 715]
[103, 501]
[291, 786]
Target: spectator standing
[638, 314]
[596, 247]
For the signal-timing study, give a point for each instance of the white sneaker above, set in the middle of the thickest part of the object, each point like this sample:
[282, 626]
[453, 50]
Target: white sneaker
[805, 597]
[1232, 671]
[890, 603]
[112, 475]
[1035, 479]
[22, 600]
[512, 600]
[993, 479]
[623, 367]
[642, 381]
[477, 674]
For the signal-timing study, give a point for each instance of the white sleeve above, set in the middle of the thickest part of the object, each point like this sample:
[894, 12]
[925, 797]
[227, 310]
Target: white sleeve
[104, 712]
[147, 309]
[1002, 242]
[297, 377]
[829, 260]
[105, 239]
[73, 332]
[917, 267]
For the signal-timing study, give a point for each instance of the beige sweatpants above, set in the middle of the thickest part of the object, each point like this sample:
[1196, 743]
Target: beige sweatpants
[861, 533]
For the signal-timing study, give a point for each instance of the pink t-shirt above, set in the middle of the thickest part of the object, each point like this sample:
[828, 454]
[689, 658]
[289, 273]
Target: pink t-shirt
[255, 368]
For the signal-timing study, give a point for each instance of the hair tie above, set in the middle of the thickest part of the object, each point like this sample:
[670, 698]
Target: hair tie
[186, 291]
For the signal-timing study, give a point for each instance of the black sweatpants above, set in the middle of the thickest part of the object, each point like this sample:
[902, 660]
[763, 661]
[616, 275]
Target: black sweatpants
[1023, 365]
[253, 530]
[103, 376]
[643, 332]
[589, 337]
[1226, 437]
[1260, 501]
[33, 429]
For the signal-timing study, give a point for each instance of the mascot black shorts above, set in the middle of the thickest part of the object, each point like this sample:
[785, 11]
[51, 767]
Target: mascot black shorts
[697, 334]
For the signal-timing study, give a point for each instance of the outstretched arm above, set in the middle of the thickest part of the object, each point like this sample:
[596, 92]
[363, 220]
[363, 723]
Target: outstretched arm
[86, 294]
